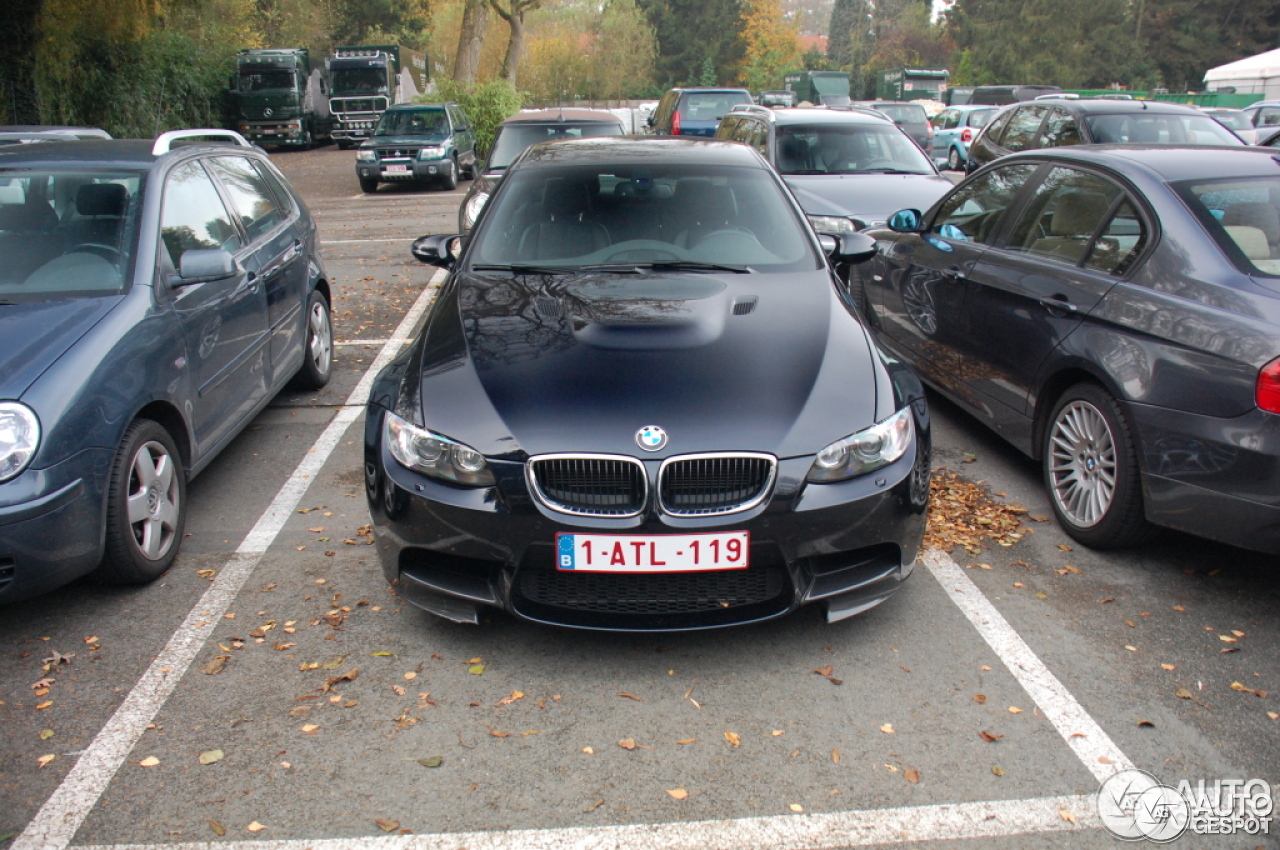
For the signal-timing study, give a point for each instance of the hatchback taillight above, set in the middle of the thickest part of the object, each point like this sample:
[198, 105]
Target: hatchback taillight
[966, 135]
[1268, 392]
[675, 123]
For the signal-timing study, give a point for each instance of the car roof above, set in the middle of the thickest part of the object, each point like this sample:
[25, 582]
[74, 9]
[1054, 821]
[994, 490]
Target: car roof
[814, 115]
[131, 154]
[1108, 106]
[640, 150]
[555, 116]
[412, 107]
[709, 89]
[1170, 163]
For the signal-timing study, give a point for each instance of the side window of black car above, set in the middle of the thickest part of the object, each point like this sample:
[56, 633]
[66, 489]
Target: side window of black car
[972, 213]
[251, 198]
[996, 128]
[1023, 127]
[1063, 216]
[1060, 130]
[194, 216]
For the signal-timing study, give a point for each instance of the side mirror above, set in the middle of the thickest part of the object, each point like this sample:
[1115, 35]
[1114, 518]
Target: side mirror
[650, 120]
[905, 221]
[853, 248]
[205, 264]
[439, 251]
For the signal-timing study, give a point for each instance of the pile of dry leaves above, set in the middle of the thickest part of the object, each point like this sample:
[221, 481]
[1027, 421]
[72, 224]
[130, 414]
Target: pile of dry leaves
[963, 513]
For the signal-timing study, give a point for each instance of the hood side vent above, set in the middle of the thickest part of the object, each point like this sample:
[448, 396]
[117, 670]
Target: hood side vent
[744, 306]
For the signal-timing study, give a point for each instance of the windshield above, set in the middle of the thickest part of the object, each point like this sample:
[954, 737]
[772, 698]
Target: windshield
[66, 233]
[348, 81]
[416, 122]
[848, 149]
[1159, 129]
[514, 138]
[906, 113]
[1244, 216]
[261, 80]
[710, 106]
[630, 216]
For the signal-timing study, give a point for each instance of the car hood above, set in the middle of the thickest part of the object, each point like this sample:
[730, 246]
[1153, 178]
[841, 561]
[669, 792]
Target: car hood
[25, 353]
[871, 196]
[529, 365]
[397, 141]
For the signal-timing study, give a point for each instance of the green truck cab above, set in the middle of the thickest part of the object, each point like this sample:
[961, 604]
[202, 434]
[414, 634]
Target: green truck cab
[280, 98]
[366, 79]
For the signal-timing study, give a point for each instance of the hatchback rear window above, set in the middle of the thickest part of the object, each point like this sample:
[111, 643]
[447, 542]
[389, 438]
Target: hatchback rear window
[709, 106]
[906, 113]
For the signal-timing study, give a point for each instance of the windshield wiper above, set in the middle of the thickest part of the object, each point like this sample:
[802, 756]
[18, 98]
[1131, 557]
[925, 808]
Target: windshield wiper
[690, 265]
[890, 171]
[518, 268]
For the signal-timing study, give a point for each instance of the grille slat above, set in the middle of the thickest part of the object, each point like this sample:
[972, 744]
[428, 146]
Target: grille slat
[706, 485]
[590, 486]
[653, 594]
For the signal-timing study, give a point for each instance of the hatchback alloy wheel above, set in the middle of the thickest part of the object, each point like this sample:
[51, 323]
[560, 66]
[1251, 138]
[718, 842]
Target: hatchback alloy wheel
[154, 500]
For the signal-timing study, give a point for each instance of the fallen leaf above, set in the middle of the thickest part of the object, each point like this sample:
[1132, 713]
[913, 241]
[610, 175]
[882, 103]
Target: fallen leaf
[824, 671]
[387, 825]
[498, 733]
[1237, 686]
[1142, 723]
[1228, 649]
[796, 807]
[211, 756]
[410, 676]
[382, 653]
[310, 728]
[43, 705]
[1105, 601]
[1273, 715]
[349, 676]
[215, 666]
[998, 770]
[1131, 624]
[333, 663]
[515, 695]
[1182, 693]
[1237, 633]
[432, 761]
[218, 829]
[46, 734]
[255, 827]
[1178, 608]
[1067, 816]
[1168, 667]
[1013, 709]
[988, 737]
[589, 751]
[687, 741]
[43, 684]
[835, 756]
[627, 743]
[678, 794]
[43, 760]
[980, 699]
[1227, 639]
[476, 669]
[734, 739]
[631, 696]
[776, 732]
[912, 776]
[886, 728]
[1131, 648]
[149, 761]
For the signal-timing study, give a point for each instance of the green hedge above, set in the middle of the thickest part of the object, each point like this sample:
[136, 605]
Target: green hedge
[488, 104]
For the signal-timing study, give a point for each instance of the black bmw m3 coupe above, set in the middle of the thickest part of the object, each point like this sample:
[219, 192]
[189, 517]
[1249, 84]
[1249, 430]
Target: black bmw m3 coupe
[643, 401]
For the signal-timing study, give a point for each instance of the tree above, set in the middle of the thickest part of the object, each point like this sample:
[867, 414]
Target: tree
[20, 21]
[691, 31]
[847, 17]
[770, 44]
[513, 14]
[475, 18]
[623, 52]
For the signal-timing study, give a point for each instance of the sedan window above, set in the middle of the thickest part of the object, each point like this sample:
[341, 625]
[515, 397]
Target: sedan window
[194, 216]
[1060, 130]
[1159, 129]
[1023, 127]
[251, 197]
[1062, 217]
[1244, 218]
[971, 214]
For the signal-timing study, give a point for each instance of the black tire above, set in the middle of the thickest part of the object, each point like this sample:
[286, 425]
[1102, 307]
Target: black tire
[146, 506]
[368, 185]
[953, 160]
[470, 173]
[344, 144]
[317, 353]
[1091, 470]
[449, 180]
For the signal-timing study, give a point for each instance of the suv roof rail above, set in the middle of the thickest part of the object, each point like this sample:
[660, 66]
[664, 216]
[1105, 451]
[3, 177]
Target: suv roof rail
[164, 141]
[752, 107]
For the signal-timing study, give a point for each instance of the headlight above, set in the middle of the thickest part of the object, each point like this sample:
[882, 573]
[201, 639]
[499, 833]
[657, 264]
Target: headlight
[366, 156]
[865, 451]
[831, 224]
[434, 455]
[431, 153]
[19, 438]
[472, 210]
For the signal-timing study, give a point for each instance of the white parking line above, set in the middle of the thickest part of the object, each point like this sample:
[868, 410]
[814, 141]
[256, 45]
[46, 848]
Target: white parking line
[875, 827]
[56, 823]
[358, 241]
[371, 341]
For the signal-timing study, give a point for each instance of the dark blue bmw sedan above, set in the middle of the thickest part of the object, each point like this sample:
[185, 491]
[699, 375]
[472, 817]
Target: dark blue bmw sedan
[154, 296]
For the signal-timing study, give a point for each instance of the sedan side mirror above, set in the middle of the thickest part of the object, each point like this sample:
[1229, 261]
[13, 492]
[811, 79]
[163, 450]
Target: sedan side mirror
[205, 264]
[905, 221]
[439, 251]
[853, 248]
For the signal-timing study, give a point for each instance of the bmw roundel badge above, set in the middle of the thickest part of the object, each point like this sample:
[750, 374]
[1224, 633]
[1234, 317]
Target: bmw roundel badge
[651, 438]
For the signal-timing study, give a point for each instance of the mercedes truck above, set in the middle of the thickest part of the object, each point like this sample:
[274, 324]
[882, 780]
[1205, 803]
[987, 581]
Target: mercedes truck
[280, 98]
[365, 80]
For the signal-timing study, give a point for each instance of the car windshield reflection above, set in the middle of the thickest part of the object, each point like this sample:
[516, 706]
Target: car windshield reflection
[680, 217]
[848, 149]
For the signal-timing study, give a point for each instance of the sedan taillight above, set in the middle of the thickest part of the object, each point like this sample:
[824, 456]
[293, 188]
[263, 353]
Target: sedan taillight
[1268, 391]
[966, 135]
[675, 123]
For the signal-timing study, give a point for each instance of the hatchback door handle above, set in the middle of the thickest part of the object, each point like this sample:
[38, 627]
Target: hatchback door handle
[1058, 303]
[953, 273]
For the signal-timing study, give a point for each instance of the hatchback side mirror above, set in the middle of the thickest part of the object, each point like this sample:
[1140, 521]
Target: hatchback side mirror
[205, 264]
[439, 251]
[852, 248]
[905, 221]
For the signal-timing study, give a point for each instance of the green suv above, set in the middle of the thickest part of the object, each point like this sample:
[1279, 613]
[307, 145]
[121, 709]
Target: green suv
[418, 143]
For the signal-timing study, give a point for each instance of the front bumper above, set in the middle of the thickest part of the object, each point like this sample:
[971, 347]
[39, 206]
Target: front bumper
[1217, 478]
[414, 170]
[455, 552]
[51, 530]
[290, 132]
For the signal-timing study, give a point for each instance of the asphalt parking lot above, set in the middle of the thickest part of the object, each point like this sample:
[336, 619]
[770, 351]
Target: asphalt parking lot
[271, 692]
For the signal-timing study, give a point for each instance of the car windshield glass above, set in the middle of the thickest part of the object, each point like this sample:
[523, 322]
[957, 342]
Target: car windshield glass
[413, 122]
[1152, 128]
[66, 234]
[709, 106]
[848, 149]
[348, 81]
[980, 117]
[571, 217]
[907, 113]
[261, 80]
[514, 138]
[1243, 216]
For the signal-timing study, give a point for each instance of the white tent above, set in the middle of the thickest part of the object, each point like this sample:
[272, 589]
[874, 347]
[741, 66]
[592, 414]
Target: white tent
[1255, 75]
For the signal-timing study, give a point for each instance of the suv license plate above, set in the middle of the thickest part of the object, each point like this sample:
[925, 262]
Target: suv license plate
[652, 553]
[395, 169]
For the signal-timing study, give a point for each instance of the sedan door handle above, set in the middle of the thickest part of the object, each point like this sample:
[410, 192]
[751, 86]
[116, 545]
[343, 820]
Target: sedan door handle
[953, 273]
[1058, 303]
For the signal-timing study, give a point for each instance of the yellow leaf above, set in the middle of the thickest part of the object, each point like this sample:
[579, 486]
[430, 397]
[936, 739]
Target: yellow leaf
[997, 770]
[255, 827]
[211, 756]
[149, 761]
[498, 733]
[589, 751]
[1182, 693]
[687, 741]
[796, 807]
[678, 793]
[218, 829]
[310, 728]
[1013, 709]
[627, 743]
[1168, 667]
[1237, 633]
[44, 705]
[912, 776]
[411, 675]
[835, 756]
[776, 732]
[476, 669]
[43, 760]
[387, 825]
[1131, 648]
[886, 728]
[46, 734]
[1067, 816]
[1227, 638]
[734, 739]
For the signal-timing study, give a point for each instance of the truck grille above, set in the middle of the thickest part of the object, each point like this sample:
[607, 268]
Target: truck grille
[396, 153]
[589, 485]
[711, 484]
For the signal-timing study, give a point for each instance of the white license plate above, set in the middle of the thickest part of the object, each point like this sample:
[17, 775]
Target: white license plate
[395, 169]
[652, 553]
